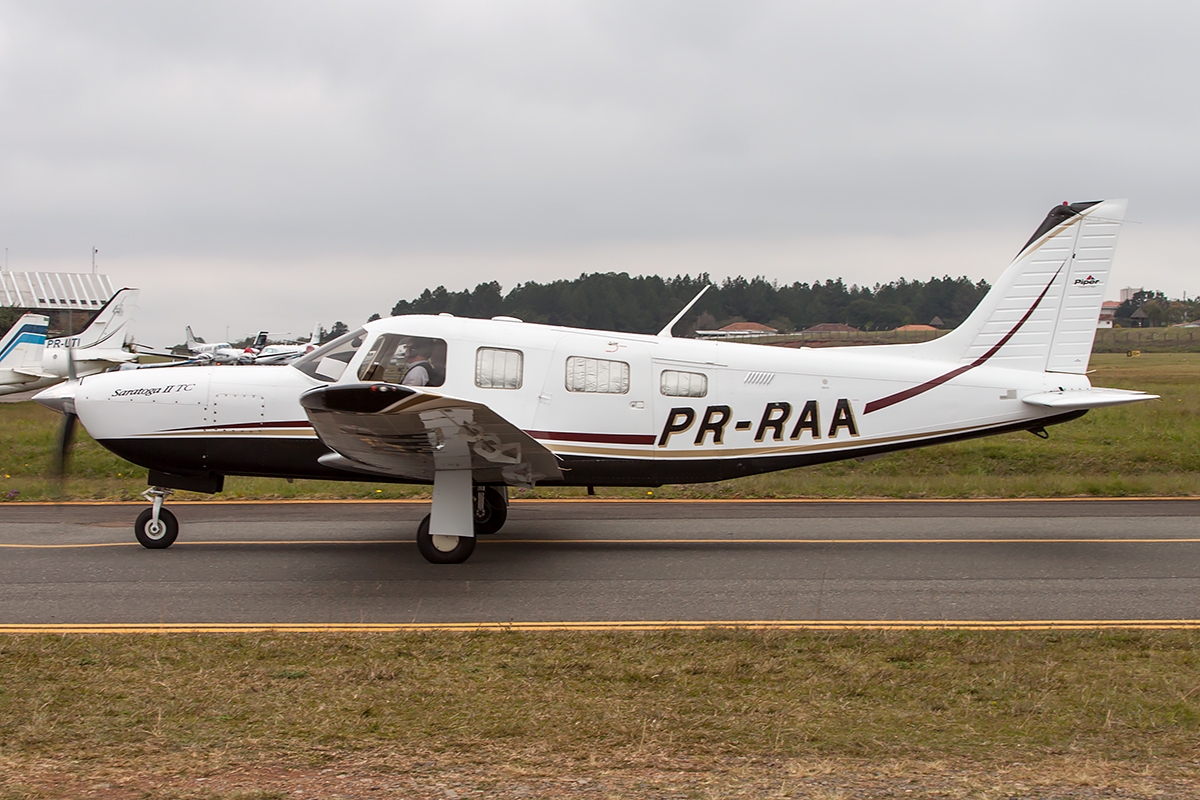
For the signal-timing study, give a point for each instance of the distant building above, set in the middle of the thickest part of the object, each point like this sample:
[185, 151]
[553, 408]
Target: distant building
[936, 322]
[916, 328]
[1128, 292]
[1108, 311]
[1139, 317]
[69, 299]
[738, 330]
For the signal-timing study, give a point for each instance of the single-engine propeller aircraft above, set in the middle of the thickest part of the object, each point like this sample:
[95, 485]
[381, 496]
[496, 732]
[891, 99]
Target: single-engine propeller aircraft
[476, 406]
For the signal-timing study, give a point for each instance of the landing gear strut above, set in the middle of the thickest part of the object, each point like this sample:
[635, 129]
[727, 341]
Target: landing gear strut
[489, 510]
[156, 527]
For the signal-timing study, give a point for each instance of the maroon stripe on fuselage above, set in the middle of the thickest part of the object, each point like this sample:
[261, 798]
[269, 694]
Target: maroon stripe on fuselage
[898, 397]
[598, 438]
[244, 425]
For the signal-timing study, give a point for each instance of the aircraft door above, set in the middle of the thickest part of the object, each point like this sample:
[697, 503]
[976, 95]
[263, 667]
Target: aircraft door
[597, 399]
[684, 397]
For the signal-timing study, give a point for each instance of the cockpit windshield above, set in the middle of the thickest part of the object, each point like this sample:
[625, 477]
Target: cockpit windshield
[329, 361]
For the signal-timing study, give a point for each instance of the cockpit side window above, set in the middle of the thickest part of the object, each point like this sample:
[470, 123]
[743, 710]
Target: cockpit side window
[329, 361]
[408, 360]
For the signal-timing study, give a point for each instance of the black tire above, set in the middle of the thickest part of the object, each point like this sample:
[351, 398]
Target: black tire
[428, 545]
[156, 540]
[495, 512]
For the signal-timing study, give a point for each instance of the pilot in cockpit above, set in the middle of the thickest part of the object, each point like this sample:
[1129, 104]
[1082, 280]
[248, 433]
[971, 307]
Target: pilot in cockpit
[418, 367]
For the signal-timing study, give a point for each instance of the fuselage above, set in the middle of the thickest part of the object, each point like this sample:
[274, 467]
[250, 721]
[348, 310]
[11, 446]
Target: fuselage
[618, 409]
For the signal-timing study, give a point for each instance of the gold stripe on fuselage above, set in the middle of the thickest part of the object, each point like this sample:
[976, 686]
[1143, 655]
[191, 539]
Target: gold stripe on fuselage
[763, 450]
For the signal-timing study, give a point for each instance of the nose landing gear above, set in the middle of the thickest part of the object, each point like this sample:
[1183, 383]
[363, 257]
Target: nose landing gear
[156, 527]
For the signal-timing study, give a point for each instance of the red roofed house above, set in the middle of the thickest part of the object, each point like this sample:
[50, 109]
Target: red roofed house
[1108, 310]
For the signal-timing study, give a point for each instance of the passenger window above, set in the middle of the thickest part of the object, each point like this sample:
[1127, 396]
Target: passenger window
[597, 375]
[408, 360]
[499, 369]
[683, 384]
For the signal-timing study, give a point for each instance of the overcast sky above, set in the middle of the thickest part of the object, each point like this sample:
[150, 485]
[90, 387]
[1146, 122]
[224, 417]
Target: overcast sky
[272, 164]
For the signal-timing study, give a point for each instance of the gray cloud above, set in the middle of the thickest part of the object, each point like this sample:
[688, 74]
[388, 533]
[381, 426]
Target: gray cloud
[375, 131]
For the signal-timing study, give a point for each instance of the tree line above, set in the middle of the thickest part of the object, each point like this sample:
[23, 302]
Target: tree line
[645, 303]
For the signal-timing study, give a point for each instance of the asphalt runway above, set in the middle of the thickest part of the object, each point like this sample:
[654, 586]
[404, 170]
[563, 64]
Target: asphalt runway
[596, 563]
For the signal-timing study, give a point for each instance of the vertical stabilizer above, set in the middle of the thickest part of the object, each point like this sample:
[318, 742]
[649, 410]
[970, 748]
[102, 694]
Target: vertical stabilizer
[1041, 314]
[22, 347]
[106, 330]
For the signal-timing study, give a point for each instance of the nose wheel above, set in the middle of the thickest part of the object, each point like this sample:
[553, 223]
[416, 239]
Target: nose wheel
[156, 527]
[156, 534]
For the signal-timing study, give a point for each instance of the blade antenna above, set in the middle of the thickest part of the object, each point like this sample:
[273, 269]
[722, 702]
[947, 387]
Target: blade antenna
[665, 333]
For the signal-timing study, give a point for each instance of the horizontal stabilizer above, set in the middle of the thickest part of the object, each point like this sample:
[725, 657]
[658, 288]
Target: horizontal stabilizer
[1085, 398]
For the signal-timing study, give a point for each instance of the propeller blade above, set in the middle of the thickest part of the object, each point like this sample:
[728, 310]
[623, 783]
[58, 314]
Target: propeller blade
[71, 364]
[66, 435]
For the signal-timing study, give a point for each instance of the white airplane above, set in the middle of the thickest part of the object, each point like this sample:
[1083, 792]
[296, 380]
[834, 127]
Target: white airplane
[99, 347]
[284, 353]
[475, 406]
[223, 352]
[21, 355]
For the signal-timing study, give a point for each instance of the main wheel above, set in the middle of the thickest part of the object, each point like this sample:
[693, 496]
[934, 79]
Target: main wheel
[492, 516]
[156, 537]
[443, 549]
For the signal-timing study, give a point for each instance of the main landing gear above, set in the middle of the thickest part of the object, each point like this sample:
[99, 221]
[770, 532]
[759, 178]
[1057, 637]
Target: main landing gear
[156, 527]
[489, 506]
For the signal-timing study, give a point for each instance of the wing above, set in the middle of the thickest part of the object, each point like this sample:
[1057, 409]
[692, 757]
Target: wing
[410, 432]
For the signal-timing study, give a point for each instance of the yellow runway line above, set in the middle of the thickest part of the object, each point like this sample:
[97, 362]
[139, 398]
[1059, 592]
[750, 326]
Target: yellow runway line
[630, 500]
[651, 626]
[489, 542]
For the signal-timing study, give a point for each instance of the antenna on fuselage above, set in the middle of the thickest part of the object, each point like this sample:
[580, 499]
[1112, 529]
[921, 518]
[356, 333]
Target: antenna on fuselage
[665, 333]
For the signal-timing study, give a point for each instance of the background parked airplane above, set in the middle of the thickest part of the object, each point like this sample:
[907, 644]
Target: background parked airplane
[284, 353]
[223, 352]
[31, 361]
[21, 355]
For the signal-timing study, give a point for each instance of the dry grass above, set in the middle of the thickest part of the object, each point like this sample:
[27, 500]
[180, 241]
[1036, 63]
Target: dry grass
[722, 709]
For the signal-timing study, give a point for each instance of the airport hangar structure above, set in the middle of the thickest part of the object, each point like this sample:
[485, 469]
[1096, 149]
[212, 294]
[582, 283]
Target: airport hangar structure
[70, 299]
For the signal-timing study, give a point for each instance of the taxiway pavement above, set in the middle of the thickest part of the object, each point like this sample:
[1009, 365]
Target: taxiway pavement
[326, 564]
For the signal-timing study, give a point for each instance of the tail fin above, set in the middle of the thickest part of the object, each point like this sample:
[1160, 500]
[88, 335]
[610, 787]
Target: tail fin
[105, 330]
[191, 338]
[260, 341]
[1041, 315]
[22, 347]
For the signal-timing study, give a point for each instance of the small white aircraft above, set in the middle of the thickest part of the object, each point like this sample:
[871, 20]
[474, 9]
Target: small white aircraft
[21, 355]
[475, 406]
[223, 352]
[99, 347]
[285, 353]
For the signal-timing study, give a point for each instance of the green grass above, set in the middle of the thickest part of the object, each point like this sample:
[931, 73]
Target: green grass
[1145, 449]
[194, 704]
